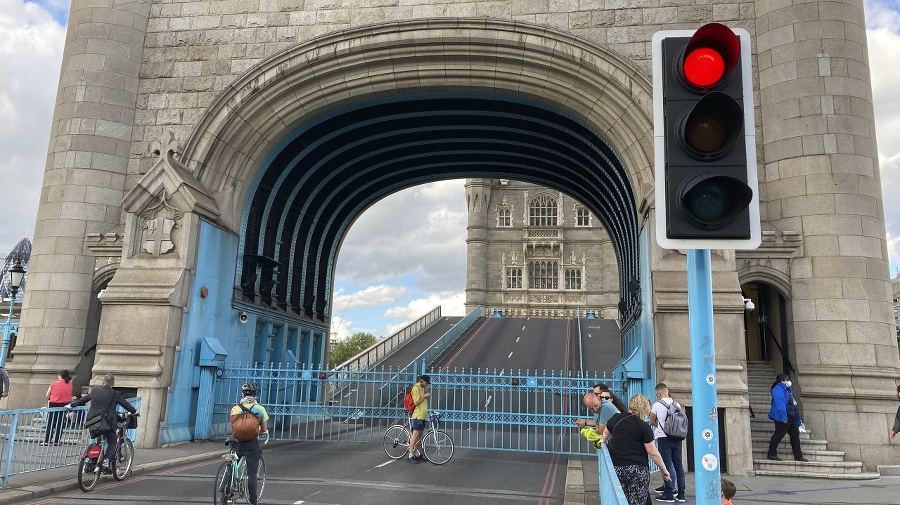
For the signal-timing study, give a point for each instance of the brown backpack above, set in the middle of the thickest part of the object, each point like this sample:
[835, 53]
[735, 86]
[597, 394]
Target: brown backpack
[245, 425]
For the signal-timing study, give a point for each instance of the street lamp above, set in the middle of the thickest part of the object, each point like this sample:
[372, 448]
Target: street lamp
[16, 274]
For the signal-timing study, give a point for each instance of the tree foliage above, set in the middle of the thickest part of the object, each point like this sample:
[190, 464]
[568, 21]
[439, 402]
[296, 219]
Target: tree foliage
[353, 345]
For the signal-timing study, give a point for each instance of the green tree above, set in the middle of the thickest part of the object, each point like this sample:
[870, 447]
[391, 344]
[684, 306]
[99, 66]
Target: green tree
[353, 345]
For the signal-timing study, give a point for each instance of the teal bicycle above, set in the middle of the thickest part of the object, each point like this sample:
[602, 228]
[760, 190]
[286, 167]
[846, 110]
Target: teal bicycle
[231, 479]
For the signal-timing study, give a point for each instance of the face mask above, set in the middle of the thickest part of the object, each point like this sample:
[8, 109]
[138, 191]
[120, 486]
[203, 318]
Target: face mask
[787, 383]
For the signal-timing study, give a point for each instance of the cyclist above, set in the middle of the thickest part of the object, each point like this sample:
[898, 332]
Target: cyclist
[103, 401]
[419, 415]
[250, 449]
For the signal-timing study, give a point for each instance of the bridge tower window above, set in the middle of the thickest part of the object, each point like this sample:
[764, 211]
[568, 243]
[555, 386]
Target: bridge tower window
[504, 218]
[582, 217]
[513, 278]
[543, 274]
[573, 278]
[543, 211]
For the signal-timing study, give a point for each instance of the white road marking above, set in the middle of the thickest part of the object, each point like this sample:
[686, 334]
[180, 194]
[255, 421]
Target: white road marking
[517, 338]
[510, 356]
[386, 463]
[298, 502]
[523, 328]
[488, 401]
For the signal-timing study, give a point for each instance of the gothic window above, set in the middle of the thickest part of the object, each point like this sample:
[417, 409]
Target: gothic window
[504, 218]
[542, 211]
[573, 278]
[582, 217]
[543, 274]
[513, 278]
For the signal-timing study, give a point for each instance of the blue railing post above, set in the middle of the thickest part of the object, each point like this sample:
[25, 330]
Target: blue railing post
[707, 476]
[10, 448]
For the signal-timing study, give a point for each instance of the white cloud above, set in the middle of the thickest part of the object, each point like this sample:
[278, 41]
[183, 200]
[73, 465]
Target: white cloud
[883, 23]
[452, 304]
[31, 46]
[372, 296]
[340, 329]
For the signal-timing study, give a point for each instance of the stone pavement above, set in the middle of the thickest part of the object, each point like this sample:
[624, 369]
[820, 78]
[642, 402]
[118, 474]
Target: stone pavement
[582, 488]
[581, 482]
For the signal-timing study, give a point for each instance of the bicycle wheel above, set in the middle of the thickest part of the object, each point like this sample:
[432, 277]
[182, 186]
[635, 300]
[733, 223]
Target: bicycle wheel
[260, 481]
[223, 494]
[122, 462]
[88, 473]
[438, 447]
[396, 441]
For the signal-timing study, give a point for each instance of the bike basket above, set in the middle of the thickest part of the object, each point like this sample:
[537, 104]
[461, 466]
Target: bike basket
[132, 423]
[93, 451]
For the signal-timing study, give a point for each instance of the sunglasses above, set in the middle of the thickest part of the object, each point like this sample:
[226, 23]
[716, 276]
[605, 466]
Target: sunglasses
[608, 398]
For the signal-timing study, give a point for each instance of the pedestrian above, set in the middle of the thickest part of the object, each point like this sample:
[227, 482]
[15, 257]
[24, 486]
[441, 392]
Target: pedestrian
[419, 415]
[669, 447]
[786, 415]
[59, 394]
[250, 449]
[4, 383]
[896, 428]
[103, 401]
[728, 491]
[630, 445]
[598, 402]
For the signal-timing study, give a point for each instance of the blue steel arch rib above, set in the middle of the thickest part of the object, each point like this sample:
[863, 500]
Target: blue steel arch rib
[306, 190]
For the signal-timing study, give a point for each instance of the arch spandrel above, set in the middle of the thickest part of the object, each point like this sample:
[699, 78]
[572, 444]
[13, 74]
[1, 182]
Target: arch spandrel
[246, 122]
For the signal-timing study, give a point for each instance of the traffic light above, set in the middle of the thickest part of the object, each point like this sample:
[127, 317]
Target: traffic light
[706, 182]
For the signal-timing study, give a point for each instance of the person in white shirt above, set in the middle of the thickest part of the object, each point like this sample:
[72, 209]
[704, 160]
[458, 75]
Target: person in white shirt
[670, 449]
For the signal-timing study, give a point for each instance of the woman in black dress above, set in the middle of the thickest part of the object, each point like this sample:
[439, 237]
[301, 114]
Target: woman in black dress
[630, 441]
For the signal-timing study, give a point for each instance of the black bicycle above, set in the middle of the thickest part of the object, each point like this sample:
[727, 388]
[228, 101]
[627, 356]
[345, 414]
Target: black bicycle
[89, 467]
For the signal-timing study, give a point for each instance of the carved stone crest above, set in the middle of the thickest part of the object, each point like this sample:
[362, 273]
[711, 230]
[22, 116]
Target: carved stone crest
[159, 223]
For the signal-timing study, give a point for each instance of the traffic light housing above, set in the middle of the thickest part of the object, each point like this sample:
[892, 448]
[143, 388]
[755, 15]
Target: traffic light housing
[707, 194]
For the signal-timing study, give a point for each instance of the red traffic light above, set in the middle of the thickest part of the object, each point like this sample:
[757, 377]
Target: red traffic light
[323, 375]
[515, 382]
[711, 55]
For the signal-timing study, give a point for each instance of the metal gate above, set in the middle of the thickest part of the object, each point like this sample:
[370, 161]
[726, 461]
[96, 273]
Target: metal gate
[511, 410]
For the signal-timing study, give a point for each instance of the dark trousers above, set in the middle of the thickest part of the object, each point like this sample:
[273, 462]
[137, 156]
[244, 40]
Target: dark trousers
[671, 455]
[111, 437]
[791, 428]
[252, 453]
[55, 421]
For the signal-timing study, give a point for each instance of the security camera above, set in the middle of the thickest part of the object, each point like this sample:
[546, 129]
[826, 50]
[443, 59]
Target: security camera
[748, 304]
[243, 317]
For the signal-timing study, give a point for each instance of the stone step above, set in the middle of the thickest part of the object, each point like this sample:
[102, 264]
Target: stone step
[784, 447]
[762, 430]
[818, 474]
[799, 468]
[812, 455]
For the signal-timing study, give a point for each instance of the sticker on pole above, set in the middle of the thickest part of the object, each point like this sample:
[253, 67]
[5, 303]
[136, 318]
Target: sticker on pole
[710, 379]
[707, 435]
[710, 462]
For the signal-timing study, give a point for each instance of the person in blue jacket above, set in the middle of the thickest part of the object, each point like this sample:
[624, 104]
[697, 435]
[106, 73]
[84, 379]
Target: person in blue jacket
[786, 415]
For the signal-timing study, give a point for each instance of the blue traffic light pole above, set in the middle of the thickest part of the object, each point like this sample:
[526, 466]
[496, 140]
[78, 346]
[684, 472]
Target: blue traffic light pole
[707, 472]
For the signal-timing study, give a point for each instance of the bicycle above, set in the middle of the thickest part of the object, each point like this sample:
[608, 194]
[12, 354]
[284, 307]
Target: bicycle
[437, 446]
[89, 466]
[231, 478]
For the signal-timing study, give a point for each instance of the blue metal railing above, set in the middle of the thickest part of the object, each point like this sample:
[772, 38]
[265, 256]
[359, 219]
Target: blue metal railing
[518, 410]
[23, 433]
[610, 488]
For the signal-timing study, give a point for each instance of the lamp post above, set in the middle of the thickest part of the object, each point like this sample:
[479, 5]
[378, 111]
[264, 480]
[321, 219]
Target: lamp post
[16, 274]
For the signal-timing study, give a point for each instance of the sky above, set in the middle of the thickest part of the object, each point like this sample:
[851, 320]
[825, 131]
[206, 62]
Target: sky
[394, 265]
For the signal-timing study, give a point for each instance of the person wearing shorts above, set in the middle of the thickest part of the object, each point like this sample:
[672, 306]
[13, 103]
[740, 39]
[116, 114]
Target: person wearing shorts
[419, 416]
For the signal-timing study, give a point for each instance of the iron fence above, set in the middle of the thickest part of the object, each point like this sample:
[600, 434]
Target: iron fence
[29, 443]
[518, 410]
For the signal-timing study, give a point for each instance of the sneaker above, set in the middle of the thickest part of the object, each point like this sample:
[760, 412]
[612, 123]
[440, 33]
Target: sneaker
[660, 489]
[679, 500]
[665, 499]
[412, 460]
[43, 444]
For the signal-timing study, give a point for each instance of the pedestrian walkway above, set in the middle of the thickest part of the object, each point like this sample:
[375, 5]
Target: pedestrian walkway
[582, 486]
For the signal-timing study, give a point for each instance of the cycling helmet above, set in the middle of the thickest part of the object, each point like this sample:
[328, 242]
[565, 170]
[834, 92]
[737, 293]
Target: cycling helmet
[249, 389]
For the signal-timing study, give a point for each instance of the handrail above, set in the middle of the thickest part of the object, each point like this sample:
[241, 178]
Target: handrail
[611, 492]
[378, 351]
[767, 331]
[442, 343]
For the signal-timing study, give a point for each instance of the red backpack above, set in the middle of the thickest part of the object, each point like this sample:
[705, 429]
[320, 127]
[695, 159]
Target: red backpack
[408, 403]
